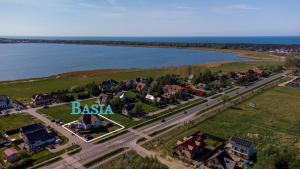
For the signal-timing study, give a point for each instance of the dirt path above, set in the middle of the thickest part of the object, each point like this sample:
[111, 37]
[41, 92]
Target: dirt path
[171, 163]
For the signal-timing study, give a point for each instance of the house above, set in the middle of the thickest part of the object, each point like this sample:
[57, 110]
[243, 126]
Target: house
[36, 137]
[259, 72]
[194, 90]
[11, 155]
[201, 85]
[166, 96]
[221, 160]
[172, 89]
[295, 83]
[151, 99]
[106, 86]
[89, 121]
[141, 86]
[190, 147]
[4, 102]
[104, 98]
[241, 148]
[140, 80]
[42, 99]
[128, 85]
[127, 109]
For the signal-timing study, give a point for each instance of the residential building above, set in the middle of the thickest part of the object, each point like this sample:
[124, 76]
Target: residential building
[221, 160]
[141, 86]
[172, 89]
[140, 80]
[106, 86]
[241, 148]
[4, 102]
[201, 85]
[295, 83]
[42, 99]
[128, 85]
[190, 147]
[11, 155]
[36, 137]
[89, 121]
[104, 98]
[127, 109]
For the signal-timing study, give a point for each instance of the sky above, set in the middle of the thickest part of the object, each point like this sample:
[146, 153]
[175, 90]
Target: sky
[149, 17]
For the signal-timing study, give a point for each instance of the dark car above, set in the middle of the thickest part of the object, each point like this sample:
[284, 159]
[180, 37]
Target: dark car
[88, 137]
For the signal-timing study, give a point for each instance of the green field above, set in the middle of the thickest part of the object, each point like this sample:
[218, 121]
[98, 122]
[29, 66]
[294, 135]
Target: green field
[15, 121]
[23, 90]
[275, 121]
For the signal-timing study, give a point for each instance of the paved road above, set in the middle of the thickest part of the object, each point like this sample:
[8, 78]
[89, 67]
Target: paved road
[92, 151]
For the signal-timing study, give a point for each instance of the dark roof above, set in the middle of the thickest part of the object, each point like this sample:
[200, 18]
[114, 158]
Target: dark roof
[36, 132]
[224, 158]
[31, 127]
[4, 98]
[240, 142]
[38, 97]
[129, 106]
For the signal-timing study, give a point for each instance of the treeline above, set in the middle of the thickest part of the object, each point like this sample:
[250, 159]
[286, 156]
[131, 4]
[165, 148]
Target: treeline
[235, 46]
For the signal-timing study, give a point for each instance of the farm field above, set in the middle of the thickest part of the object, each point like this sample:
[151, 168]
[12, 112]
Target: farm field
[274, 121]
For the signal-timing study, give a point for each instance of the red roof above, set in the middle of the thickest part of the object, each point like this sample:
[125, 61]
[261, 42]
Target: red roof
[201, 84]
[89, 118]
[192, 144]
[10, 152]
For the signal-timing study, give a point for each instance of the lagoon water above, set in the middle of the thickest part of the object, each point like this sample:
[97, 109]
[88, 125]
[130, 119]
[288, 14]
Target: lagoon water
[21, 61]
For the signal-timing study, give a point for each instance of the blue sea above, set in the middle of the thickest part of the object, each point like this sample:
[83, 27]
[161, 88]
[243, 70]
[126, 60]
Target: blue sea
[205, 39]
[22, 61]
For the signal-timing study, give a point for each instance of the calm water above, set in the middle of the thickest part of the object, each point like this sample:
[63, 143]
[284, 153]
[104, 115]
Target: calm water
[20, 61]
[219, 39]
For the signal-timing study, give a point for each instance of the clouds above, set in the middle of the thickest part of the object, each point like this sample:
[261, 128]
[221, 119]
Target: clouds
[147, 17]
[236, 8]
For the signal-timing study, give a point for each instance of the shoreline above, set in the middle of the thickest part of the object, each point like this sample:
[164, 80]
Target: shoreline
[96, 71]
[238, 53]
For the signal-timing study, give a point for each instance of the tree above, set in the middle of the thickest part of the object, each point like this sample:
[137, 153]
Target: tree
[225, 98]
[117, 104]
[293, 63]
[94, 90]
[137, 110]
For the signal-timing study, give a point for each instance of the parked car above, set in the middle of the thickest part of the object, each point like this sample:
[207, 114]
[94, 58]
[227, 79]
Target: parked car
[88, 137]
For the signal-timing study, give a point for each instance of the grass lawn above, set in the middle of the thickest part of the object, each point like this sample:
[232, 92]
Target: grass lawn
[23, 90]
[275, 120]
[276, 117]
[149, 108]
[63, 112]
[15, 121]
